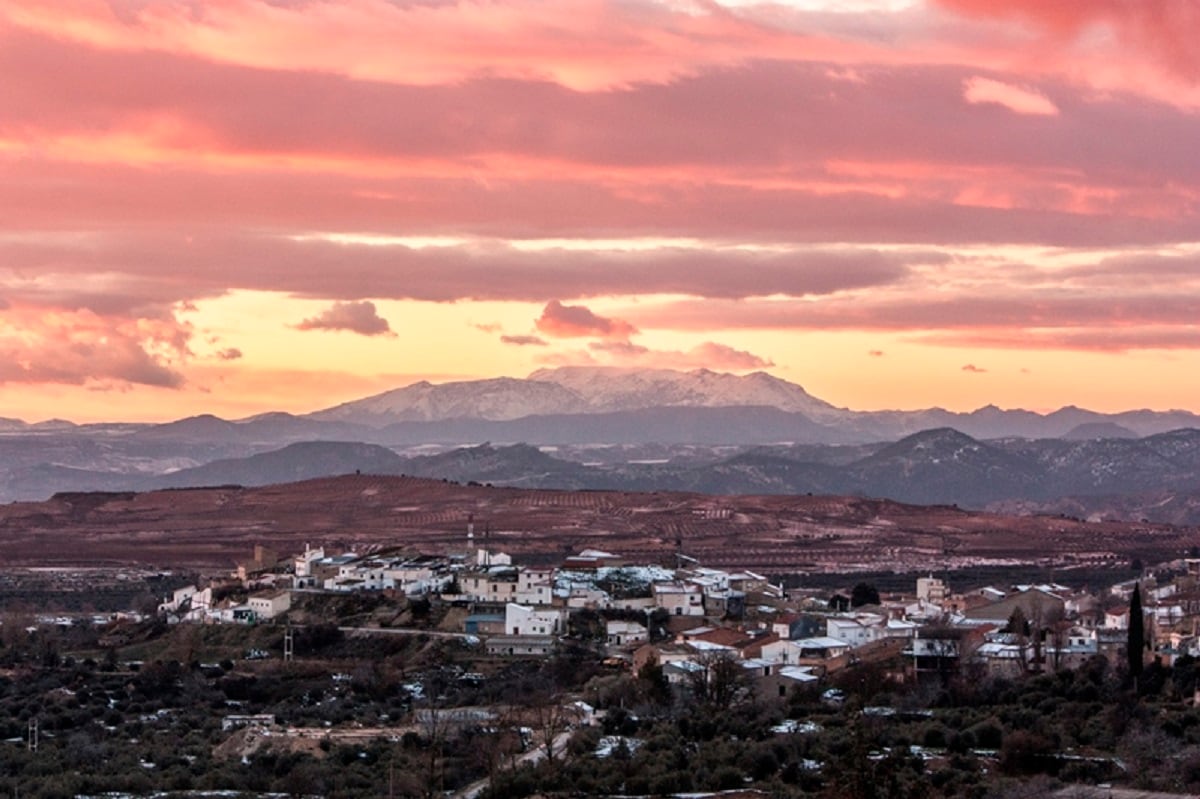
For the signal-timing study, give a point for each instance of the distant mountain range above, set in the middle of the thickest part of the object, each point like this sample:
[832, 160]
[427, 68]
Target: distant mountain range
[630, 403]
[579, 390]
[700, 431]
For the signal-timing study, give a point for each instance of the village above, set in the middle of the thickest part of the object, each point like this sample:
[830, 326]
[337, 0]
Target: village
[461, 670]
[687, 618]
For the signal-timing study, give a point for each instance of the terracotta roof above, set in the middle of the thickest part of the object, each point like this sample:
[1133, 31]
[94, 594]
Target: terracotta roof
[725, 636]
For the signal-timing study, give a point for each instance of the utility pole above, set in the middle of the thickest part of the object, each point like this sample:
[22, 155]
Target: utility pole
[33, 734]
[289, 644]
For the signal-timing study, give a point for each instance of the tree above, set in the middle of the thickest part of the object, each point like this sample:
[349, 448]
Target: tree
[653, 682]
[587, 624]
[1059, 638]
[721, 680]
[864, 594]
[1018, 624]
[551, 722]
[1019, 627]
[497, 745]
[1137, 633]
[438, 725]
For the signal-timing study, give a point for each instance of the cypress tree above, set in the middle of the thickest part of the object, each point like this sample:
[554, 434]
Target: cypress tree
[1137, 633]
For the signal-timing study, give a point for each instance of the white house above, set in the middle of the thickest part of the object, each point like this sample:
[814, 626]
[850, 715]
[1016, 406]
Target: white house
[784, 625]
[201, 606]
[901, 628]
[497, 584]
[857, 630]
[303, 565]
[416, 580]
[752, 582]
[786, 652]
[620, 633]
[522, 620]
[486, 559]
[586, 596]
[932, 590]
[821, 647]
[1167, 614]
[679, 599]
[270, 604]
[177, 599]
[535, 587]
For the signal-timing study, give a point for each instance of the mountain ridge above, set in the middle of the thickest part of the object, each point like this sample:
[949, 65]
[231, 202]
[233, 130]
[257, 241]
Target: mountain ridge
[595, 390]
[638, 429]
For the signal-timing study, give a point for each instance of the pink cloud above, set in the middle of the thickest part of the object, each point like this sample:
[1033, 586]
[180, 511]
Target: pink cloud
[524, 341]
[484, 270]
[973, 368]
[708, 355]
[82, 348]
[576, 321]
[641, 135]
[622, 350]
[896, 156]
[1165, 30]
[593, 46]
[1018, 99]
[229, 354]
[355, 317]
[917, 312]
[1118, 340]
[587, 45]
[716, 356]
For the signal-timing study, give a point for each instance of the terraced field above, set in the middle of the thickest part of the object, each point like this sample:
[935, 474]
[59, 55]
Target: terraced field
[211, 528]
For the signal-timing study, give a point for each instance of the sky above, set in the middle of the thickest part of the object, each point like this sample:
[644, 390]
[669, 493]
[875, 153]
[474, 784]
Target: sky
[240, 206]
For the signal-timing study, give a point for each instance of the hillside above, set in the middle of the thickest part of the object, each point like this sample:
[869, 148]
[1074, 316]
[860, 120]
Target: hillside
[214, 527]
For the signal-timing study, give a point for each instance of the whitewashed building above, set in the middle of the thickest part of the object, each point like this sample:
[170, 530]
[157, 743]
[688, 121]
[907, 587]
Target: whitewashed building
[270, 604]
[522, 620]
[679, 598]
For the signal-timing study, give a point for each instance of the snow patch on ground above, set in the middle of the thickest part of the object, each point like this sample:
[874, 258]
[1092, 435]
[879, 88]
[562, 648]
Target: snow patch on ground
[609, 745]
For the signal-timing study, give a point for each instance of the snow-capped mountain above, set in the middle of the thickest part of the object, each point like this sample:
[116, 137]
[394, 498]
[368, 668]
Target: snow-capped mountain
[592, 390]
[578, 389]
[497, 399]
[614, 389]
[714, 432]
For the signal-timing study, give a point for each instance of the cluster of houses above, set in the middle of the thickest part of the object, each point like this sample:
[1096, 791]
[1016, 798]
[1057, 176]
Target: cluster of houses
[700, 616]
[933, 632]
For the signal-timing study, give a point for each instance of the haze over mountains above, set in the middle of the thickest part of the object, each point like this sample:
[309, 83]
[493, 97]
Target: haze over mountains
[646, 430]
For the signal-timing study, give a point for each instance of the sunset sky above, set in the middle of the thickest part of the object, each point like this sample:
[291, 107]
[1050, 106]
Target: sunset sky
[235, 206]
